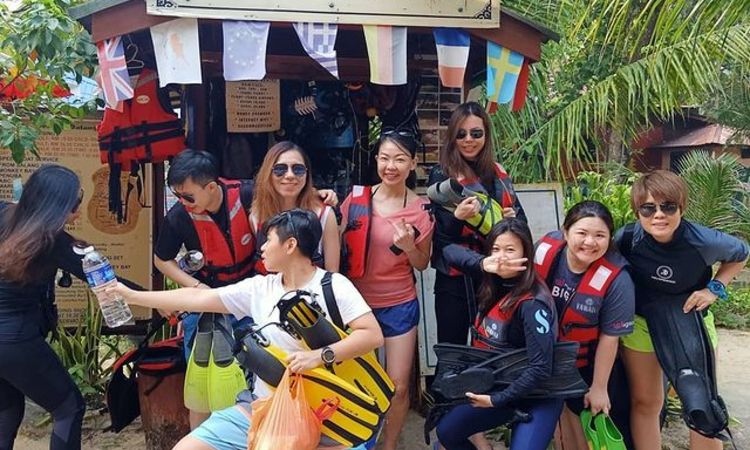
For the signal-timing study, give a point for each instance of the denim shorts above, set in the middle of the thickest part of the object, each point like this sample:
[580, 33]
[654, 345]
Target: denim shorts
[399, 319]
[224, 430]
[227, 430]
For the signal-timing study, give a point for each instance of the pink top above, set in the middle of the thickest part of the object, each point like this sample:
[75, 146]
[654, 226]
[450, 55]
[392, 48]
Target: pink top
[388, 279]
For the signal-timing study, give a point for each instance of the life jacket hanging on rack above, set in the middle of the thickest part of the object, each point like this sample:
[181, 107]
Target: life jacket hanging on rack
[145, 131]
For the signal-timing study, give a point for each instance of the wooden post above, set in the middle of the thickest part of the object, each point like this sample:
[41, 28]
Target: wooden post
[164, 416]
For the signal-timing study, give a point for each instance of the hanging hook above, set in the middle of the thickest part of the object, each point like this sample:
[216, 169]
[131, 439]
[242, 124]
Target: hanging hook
[133, 62]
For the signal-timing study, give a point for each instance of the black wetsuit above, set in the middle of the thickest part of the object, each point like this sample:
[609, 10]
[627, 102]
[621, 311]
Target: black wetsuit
[679, 267]
[29, 367]
[452, 292]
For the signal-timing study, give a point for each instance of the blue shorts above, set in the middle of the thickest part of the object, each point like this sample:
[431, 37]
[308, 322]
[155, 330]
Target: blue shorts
[227, 430]
[224, 430]
[399, 319]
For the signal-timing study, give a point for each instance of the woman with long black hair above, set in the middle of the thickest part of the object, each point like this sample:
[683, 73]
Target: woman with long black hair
[469, 158]
[516, 311]
[33, 245]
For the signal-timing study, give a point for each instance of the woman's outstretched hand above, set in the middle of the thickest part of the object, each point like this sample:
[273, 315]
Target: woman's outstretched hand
[479, 400]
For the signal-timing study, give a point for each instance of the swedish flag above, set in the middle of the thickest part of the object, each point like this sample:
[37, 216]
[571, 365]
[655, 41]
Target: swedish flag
[503, 67]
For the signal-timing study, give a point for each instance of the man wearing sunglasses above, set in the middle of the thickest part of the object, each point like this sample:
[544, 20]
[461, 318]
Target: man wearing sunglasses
[211, 216]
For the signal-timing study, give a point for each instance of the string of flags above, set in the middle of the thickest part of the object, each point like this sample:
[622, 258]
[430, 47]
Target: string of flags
[177, 53]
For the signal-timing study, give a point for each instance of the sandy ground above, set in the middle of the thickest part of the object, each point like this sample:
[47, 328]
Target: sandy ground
[734, 384]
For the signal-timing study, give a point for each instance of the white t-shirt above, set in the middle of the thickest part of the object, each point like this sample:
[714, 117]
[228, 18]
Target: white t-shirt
[256, 297]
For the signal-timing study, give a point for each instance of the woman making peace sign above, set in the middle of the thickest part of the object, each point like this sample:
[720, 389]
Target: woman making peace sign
[387, 235]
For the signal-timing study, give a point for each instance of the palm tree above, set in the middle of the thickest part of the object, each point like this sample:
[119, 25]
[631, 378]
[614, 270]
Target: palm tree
[717, 197]
[620, 66]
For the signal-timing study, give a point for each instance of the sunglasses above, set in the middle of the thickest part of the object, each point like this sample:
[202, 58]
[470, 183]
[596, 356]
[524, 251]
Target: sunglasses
[281, 169]
[78, 202]
[187, 197]
[649, 209]
[395, 131]
[475, 133]
[290, 220]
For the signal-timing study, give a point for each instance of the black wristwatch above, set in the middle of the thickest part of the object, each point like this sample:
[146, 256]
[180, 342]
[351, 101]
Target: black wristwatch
[328, 356]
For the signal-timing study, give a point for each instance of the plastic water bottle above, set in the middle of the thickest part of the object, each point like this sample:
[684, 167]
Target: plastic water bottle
[100, 276]
[191, 262]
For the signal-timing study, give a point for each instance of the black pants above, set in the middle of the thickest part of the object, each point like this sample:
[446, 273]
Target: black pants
[31, 369]
[452, 311]
[619, 397]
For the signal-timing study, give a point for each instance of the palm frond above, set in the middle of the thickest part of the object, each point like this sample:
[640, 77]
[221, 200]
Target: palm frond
[717, 198]
[627, 26]
[655, 86]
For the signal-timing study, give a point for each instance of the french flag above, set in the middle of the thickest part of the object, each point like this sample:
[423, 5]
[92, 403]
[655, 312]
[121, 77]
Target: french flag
[453, 54]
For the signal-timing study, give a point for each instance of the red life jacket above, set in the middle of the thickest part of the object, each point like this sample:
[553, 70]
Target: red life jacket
[590, 293]
[491, 331]
[144, 131]
[229, 258]
[503, 194]
[356, 235]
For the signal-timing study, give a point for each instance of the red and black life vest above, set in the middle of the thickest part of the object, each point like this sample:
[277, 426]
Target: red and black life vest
[229, 257]
[504, 194]
[356, 235]
[491, 331]
[144, 131]
[591, 291]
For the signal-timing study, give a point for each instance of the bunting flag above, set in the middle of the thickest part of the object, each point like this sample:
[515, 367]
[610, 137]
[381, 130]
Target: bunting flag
[386, 48]
[245, 44]
[519, 98]
[177, 51]
[114, 77]
[503, 68]
[81, 92]
[318, 40]
[453, 54]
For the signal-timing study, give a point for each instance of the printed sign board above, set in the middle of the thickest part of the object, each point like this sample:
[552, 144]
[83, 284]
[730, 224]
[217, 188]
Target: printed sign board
[253, 106]
[127, 245]
[543, 204]
[415, 13]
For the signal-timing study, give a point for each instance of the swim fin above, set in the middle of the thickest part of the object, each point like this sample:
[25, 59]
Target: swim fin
[609, 436]
[195, 393]
[306, 319]
[684, 351]
[462, 369]
[356, 417]
[225, 376]
[589, 430]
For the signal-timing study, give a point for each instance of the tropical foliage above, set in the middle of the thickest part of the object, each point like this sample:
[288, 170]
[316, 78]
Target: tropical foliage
[610, 187]
[39, 45]
[87, 354]
[731, 107]
[620, 65]
[717, 199]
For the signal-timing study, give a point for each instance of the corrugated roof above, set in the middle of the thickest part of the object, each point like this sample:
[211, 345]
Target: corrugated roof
[709, 135]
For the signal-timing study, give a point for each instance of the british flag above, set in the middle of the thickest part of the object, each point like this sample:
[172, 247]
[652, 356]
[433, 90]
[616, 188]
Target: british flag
[115, 81]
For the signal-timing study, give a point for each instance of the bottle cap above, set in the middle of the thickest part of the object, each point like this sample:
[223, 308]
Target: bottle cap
[198, 255]
[88, 249]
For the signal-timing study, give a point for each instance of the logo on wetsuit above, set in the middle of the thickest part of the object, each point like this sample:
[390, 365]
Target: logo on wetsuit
[665, 274]
[541, 318]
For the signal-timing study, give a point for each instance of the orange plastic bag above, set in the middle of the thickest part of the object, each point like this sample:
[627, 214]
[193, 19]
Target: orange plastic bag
[285, 420]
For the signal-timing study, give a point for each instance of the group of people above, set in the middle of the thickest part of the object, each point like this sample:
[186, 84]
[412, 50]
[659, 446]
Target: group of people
[586, 283]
